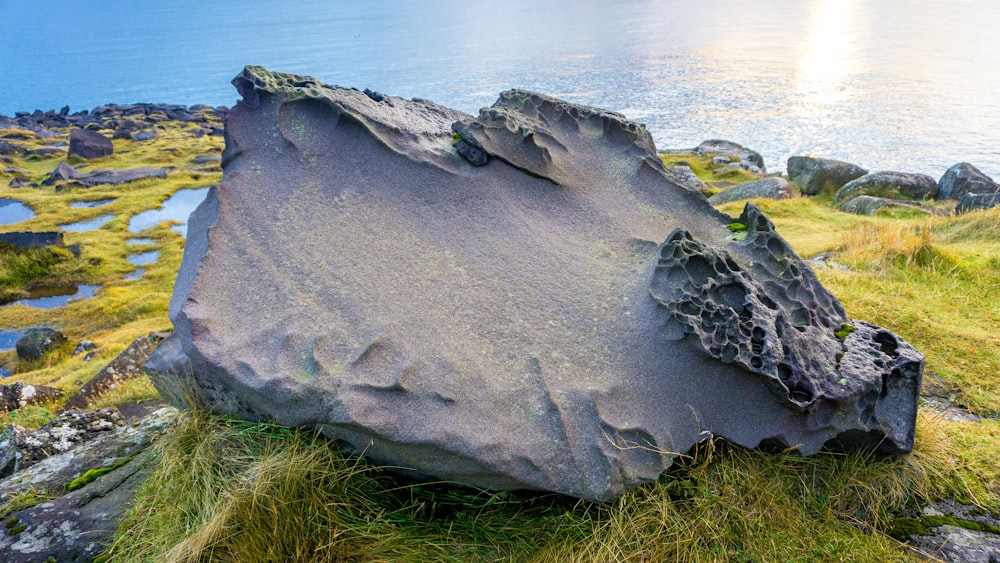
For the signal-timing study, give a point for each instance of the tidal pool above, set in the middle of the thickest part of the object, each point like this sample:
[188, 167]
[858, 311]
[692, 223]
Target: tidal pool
[8, 338]
[135, 274]
[13, 211]
[89, 225]
[177, 208]
[140, 241]
[51, 297]
[144, 258]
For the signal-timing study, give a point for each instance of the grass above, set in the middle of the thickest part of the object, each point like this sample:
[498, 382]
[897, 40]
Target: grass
[224, 490]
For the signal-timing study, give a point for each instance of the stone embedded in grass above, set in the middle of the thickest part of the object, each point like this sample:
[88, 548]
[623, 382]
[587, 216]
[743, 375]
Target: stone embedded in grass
[89, 144]
[36, 342]
[814, 175]
[769, 188]
[889, 184]
[562, 318]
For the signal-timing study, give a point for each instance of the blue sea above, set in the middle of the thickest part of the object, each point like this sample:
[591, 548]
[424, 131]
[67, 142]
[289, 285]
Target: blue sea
[910, 85]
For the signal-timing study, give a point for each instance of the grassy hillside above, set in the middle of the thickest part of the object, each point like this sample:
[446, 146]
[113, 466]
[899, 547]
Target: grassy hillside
[225, 490]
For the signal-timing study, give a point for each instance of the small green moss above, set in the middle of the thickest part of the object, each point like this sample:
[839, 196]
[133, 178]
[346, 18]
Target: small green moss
[93, 474]
[737, 227]
[845, 330]
[455, 138]
[903, 528]
[11, 522]
[16, 530]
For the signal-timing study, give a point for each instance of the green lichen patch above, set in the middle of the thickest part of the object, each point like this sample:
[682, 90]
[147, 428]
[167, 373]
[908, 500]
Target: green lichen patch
[844, 330]
[92, 475]
[903, 528]
[737, 227]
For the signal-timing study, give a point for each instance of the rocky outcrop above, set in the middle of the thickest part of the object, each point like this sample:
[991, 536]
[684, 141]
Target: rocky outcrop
[964, 178]
[125, 366]
[89, 144]
[893, 185]
[768, 188]
[814, 175]
[18, 395]
[562, 317]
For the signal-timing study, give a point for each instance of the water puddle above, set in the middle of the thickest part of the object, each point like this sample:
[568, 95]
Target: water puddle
[134, 275]
[90, 225]
[177, 208]
[8, 339]
[140, 241]
[13, 211]
[51, 297]
[144, 258]
[96, 203]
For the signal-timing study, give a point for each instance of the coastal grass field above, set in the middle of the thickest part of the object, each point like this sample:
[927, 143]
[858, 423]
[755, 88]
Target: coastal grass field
[226, 490]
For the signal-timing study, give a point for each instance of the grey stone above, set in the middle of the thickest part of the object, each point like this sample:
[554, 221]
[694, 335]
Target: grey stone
[125, 366]
[98, 177]
[513, 326]
[868, 205]
[62, 173]
[964, 178]
[972, 202]
[84, 346]
[685, 177]
[889, 184]
[770, 188]
[147, 135]
[731, 149]
[11, 440]
[814, 175]
[37, 341]
[20, 394]
[33, 239]
[89, 144]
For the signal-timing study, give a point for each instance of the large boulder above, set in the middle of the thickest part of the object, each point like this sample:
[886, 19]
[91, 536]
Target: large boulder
[814, 175]
[89, 144]
[964, 178]
[769, 188]
[889, 184]
[562, 318]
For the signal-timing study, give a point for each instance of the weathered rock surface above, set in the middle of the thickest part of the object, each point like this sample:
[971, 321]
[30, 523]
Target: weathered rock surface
[102, 176]
[125, 366]
[685, 177]
[89, 144]
[770, 188]
[814, 175]
[972, 202]
[33, 239]
[868, 205]
[964, 178]
[735, 150]
[514, 325]
[36, 342]
[77, 525]
[889, 184]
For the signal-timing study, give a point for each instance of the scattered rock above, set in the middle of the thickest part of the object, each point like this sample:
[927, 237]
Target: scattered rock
[19, 395]
[772, 187]
[953, 532]
[889, 184]
[147, 135]
[125, 366]
[38, 341]
[972, 202]
[126, 129]
[7, 148]
[734, 150]
[101, 176]
[84, 346]
[89, 144]
[62, 173]
[868, 205]
[207, 159]
[814, 175]
[16, 172]
[964, 178]
[517, 325]
[33, 239]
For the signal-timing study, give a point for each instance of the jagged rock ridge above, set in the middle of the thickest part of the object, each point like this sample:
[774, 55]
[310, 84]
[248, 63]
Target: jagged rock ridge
[532, 304]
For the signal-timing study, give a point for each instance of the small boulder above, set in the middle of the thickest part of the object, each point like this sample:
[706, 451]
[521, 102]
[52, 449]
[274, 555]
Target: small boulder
[972, 202]
[7, 148]
[126, 129]
[37, 341]
[814, 175]
[31, 239]
[731, 149]
[770, 188]
[18, 395]
[146, 135]
[84, 346]
[101, 176]
[964, 178]
[89, 144]
[868, 205]
[889, 184]
[62, 173]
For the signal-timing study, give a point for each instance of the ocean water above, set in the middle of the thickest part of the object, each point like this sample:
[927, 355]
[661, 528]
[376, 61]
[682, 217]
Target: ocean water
[910, 85]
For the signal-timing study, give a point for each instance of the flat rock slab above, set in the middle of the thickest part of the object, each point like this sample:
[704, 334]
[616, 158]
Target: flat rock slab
[125, 366]
[557, 316]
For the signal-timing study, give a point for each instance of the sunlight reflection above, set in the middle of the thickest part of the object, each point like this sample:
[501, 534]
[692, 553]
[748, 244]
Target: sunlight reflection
[828, 59]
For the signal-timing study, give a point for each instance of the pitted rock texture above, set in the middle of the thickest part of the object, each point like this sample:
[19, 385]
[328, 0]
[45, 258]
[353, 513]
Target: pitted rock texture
[514, 323]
